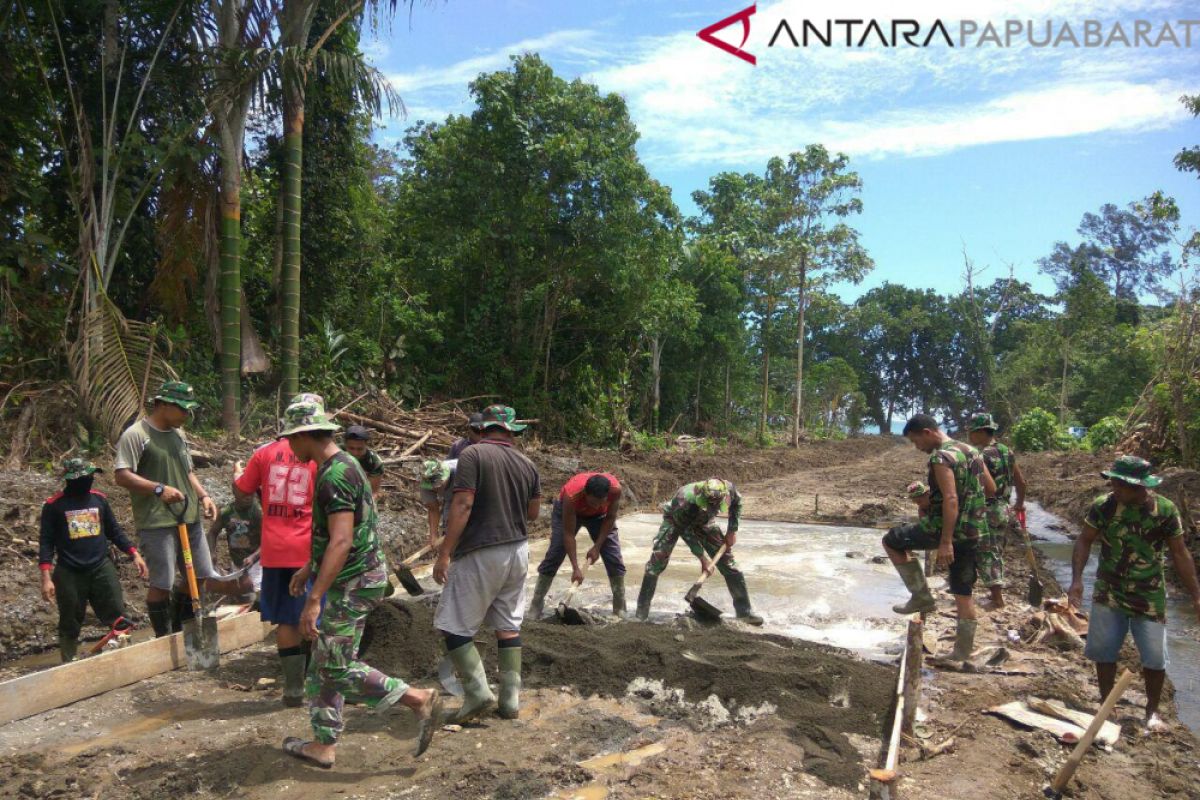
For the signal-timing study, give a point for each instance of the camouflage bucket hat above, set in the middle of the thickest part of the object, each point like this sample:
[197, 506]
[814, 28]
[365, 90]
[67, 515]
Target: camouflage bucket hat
[307, 413]
[433, 472]
[177, 393]
[983, 421]
[74, 468]
[714, 489]
[502, 417]
[1134, 470]
[916, 489]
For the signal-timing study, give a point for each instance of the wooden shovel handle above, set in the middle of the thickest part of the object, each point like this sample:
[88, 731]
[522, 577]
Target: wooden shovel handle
[188, 568]
[411, 557]
[715, 558]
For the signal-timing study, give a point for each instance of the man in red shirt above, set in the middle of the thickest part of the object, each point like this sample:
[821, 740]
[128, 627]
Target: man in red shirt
[286, 484]
[591, 500]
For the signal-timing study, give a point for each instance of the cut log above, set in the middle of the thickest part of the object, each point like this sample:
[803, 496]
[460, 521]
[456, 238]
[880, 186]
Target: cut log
[416, 445]
[58, 686]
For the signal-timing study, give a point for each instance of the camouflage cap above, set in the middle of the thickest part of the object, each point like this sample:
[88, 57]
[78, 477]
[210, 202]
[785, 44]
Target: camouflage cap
[713, 489]
[1132, 470]
[982, 421]
[74, 468]
[307, 413]
[177, 393]
[434, 473]
[916, 489]
[498, 416]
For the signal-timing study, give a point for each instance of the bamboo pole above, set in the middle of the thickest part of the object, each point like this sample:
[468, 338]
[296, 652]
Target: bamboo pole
[1068, 769]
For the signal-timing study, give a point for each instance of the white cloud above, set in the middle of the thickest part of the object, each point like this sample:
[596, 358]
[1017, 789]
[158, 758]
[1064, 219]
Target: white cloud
[695, 104]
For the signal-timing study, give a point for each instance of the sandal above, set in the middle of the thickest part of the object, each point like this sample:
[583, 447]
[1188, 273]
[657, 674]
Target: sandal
[427, 726]
[294, 747]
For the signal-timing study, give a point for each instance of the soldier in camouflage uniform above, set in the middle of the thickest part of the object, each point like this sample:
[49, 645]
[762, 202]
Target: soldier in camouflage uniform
[1134, 526]
[347, 567]
[1002, 465]
[690, 516]
[959, 485]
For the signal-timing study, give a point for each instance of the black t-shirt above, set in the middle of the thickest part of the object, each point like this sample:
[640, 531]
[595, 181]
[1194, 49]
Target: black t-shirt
[504, 482]
[78, 528]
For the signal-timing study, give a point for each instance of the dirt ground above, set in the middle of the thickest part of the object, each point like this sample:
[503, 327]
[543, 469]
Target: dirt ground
[621, 710]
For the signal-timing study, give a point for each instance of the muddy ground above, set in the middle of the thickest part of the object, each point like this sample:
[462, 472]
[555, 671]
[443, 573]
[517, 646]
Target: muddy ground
[788, 719]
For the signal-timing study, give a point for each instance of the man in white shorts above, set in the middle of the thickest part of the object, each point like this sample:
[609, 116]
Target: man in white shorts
[497, 490]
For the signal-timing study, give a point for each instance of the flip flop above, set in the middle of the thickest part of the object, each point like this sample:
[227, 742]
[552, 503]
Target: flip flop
[428, 726]
[294, 747]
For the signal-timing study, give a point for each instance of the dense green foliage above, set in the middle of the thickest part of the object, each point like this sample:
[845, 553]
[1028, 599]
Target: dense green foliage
[523, 250]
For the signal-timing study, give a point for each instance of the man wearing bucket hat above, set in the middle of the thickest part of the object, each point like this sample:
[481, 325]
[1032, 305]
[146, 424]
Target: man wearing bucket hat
[154, 464]
[1002, 466]
[357, 441]
[497, 492]
[1134, 525]
[77, 526]
[690, 516]
[436, 494]
[349, 569]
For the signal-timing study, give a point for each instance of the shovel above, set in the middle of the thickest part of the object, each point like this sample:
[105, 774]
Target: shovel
[566, 612]
[405, 576]
[199, 632]
[704, 610]
[1036, 590]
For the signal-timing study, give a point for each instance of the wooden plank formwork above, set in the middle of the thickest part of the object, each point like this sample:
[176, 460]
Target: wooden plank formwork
[59, 686]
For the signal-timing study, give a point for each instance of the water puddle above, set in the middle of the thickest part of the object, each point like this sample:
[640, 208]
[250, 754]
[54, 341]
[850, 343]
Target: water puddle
[121, 734]
[631, 758]
[1182, 647]
[811, 582]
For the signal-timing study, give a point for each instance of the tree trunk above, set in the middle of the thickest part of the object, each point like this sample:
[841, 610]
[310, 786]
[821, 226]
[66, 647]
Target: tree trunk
[656, 346]
[699, 377]
[797, 422]
[231, 287]
[293, 153]
[1062, 399]
[728, 400]
[766, 376]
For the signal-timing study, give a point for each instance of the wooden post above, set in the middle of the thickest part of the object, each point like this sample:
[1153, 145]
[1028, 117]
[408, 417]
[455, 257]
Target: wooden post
[928, 563]
[883, 780]
[1068, 769]
[914, 658]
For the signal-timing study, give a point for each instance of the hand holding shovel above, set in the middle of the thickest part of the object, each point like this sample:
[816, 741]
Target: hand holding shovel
[703, 609]
[199, 632]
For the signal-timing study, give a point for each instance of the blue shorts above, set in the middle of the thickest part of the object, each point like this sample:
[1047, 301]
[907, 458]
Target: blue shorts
[275, 602]
[1106, 634]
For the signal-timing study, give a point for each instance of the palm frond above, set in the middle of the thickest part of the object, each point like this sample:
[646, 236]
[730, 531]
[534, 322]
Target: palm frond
[115, 362]
[351, 73]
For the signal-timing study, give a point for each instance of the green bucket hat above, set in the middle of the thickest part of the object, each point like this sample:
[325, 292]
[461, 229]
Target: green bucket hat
[307, 413]
[916, 489]
[983, 421]
[74, 468]
[501, 416]
[434, 472]
[714, 489]
[177, 393]
[1134, 470]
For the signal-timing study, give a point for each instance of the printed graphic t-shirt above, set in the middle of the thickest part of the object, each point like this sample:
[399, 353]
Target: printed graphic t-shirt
[286, 484]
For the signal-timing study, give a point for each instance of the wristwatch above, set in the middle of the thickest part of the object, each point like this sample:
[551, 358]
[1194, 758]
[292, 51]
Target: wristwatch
[158, 490]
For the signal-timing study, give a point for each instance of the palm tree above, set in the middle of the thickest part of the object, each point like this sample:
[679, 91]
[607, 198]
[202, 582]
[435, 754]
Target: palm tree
[352, 74]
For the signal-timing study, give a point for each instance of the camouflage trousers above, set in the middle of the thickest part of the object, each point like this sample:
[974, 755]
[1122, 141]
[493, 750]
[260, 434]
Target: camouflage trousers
[699, 540]
[334, 674]
[991, 544]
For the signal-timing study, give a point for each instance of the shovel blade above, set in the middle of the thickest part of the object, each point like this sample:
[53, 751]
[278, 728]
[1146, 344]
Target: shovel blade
[409, 581]
[704, 610]
[571, 615]
[1035, 592]
[201, 644]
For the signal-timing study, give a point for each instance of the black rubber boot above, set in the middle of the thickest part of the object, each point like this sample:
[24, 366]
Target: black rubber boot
[741, 599]
[649, 584]
[67, 648]
[293, 679]
[159, 612]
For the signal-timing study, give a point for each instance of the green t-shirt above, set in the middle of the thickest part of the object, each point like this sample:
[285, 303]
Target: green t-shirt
[967, 465]
[1130, 576]
[342, 487]
[161, 457]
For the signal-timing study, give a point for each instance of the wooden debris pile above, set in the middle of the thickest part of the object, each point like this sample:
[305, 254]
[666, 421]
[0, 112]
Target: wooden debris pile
[401, 435]
[1057, 624]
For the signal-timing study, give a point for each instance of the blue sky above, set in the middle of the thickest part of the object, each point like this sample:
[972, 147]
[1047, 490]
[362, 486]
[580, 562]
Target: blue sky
[998, 150]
